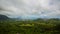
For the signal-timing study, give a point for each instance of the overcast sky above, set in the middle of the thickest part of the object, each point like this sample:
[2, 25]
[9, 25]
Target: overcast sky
[30, 8]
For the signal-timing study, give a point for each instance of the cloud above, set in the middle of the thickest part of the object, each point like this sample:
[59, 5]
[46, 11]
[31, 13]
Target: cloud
[30, 8]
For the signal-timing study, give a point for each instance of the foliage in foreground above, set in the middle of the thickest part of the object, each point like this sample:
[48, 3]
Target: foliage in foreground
[51, 26]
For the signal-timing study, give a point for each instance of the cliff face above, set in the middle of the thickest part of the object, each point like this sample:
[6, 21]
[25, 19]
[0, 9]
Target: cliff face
[3, 17]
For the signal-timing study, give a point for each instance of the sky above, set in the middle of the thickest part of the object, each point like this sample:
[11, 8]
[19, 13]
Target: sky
[30, 8]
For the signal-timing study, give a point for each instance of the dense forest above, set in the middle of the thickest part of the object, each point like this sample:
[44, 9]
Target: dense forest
[38, 26]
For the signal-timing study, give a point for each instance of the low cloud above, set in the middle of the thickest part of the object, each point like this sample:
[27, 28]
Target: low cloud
[30, 8]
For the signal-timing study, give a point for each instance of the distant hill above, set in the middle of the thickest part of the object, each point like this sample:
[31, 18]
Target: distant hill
[3, 17]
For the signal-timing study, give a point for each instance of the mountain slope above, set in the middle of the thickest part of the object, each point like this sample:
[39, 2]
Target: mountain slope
[3, 17]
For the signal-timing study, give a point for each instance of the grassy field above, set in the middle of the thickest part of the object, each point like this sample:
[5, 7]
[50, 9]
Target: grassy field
[51, 26]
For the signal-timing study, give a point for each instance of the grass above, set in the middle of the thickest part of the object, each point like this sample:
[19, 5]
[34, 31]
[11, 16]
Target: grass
[30, 27]
[27, 25]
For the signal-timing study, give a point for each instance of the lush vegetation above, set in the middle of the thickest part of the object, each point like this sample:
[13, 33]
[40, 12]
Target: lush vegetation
[38, 26]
